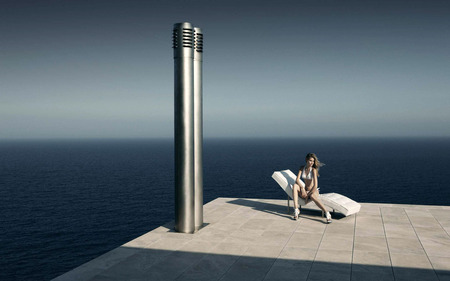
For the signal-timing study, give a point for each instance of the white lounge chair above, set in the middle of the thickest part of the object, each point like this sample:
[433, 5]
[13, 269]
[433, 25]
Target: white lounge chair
[337, 202]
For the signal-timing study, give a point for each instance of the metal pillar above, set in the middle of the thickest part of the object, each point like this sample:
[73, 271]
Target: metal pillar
[183, 44]
[188, 56]
[198, 127]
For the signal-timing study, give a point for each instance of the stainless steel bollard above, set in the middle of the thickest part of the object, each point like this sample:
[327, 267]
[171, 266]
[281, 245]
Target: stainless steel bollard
[183, 47]
[198, 127]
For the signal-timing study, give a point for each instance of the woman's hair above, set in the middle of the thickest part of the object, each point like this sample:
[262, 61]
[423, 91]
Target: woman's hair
[317, 164]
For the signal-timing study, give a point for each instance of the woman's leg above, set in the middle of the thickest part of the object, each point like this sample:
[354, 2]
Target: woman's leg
[295, 191]
[315, 198]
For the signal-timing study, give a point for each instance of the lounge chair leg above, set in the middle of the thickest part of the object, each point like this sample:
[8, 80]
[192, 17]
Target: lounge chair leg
[288, 204]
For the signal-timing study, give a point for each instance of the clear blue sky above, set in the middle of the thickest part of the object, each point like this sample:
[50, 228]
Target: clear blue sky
[100, 69]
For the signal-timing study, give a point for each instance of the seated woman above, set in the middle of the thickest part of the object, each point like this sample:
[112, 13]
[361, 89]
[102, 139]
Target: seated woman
[306, 185]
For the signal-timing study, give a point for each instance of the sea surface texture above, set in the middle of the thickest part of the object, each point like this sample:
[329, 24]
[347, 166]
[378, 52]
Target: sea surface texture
[63, 203]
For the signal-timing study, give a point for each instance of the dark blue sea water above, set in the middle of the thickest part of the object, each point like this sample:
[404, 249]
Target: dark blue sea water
[63, 203]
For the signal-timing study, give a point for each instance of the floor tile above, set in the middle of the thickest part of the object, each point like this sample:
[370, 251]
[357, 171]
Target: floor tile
[410, 261]
[337, 242]
[343, 258]
[393, 230]
[371, 275]
[405, 245]
[363, 257]
[304, 240]
[371, 244]
[439, 247]
[291, 269]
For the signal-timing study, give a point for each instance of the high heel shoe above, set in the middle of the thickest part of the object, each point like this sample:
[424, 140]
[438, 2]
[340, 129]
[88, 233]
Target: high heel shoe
[296, 213]
[328, 215]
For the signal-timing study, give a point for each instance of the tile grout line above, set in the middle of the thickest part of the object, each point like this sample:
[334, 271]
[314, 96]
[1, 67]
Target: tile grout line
[207, 254]
[387, 243]
[194, 264]
[231, 265]
[287, 242]
[315, 256]
[420, 241]
[240, 256]
[223, 275]
[440, 224]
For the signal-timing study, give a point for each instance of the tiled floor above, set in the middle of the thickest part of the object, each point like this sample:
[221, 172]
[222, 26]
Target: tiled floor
[255, 239]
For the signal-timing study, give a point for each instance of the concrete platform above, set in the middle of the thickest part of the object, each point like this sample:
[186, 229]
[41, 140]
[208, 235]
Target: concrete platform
[255, 239]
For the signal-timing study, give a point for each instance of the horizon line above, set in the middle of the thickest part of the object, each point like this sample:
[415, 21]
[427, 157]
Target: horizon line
[215, 138]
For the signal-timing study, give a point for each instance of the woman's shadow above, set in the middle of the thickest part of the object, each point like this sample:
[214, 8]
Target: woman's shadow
[279, 210]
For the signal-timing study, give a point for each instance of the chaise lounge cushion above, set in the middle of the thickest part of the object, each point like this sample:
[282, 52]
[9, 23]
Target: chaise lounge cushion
[340, 203]
[286, 180]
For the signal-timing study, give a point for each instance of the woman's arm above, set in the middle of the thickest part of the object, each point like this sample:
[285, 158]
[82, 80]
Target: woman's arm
[298, 180]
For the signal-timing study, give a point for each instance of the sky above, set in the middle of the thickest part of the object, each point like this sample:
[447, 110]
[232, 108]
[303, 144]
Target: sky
[304, 68]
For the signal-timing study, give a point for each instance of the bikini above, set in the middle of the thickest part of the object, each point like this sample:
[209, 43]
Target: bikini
[306, 176]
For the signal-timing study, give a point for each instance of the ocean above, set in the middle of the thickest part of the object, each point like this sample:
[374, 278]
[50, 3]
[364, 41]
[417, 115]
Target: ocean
[65, 202]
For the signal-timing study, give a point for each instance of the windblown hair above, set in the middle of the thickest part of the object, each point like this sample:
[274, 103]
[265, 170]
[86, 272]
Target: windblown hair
[317, 164]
